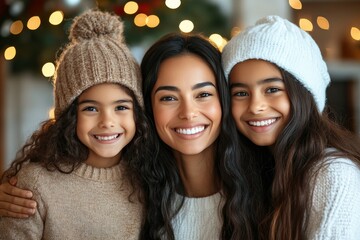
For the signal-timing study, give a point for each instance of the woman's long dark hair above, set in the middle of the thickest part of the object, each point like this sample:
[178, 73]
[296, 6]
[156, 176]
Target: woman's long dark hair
[284, 194]
[165, 181]
[55, 146]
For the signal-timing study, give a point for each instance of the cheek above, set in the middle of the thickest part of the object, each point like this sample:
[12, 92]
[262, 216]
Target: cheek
[160, 117]
[214, 111]
[237, 109]
[131, 126]
[284, 107]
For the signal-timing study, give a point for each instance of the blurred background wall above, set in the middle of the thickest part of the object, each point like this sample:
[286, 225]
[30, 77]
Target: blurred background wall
[33, 31]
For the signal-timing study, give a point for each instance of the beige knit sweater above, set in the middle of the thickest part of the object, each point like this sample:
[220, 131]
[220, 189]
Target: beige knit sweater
[89, 203]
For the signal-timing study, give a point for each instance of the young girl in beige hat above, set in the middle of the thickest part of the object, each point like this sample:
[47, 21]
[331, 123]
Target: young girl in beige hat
[82, 166]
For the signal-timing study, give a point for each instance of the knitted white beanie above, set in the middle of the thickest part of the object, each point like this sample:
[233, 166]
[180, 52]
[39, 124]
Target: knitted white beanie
[283, 43]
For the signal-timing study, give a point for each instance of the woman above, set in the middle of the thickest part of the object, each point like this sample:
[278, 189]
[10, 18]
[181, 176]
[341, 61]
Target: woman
[187, 100]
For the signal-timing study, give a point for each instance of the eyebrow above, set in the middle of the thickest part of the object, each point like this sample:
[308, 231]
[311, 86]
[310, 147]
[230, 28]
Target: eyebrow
[96, 102]
[264, 81]
[175, 89]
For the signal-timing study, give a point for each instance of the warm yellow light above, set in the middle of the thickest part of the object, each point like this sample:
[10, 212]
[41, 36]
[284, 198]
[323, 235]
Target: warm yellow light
[305, 24]
[131, 7]
[16, 27]
[173, 4]
[186, 26]
[295, 4]
[323, 23]
[48, 69]
[51, 113]
[34, 23]
[235, 31]
[355, 33]
[140, 20]
[152, 21]
[224, 42]
[10, 53]
[216, 38]
[56, 18]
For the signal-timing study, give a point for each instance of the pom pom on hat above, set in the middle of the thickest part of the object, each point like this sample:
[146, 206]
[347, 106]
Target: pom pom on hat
[94, 24]
[96, 54]
[281, 42]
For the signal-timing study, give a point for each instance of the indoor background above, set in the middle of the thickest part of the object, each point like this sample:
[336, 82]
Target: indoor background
[33, 31]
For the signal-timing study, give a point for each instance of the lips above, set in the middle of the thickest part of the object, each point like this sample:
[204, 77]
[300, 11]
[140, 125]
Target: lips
[106, 138]
[190, 131]
[262, 123]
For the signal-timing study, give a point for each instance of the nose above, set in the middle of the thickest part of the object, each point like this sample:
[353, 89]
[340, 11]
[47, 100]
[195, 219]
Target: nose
[257, 104]
[188, 110]
[106, 120]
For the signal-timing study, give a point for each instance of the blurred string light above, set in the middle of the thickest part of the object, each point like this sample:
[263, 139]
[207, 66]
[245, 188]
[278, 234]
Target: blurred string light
[173, 4]
[140, 19]
[218, 40]
[72, 3]
[10, 53]
[186, 26]
[16, 27]
[355, 33]
[152, 21]
[16, 8]
[56, 18]
[34, 23]
[295, 4]
[48, 69]
[131, 7]
[305, 24]
[5, 28]
[51, 113]
[323, 23]
[235, 31]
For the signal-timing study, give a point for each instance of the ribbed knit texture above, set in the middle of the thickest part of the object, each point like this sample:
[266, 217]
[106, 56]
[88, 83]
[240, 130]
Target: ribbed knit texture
[90, 203]
[199, 219]
[335, 211]
[283, 43]
[96, 54]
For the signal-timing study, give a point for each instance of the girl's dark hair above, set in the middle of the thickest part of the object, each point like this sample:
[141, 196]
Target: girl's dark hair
[165, 181]
[284, 194]
[56, 146]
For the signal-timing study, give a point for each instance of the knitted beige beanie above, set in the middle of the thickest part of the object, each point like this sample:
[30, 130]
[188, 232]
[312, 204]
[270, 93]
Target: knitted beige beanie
[96, 54]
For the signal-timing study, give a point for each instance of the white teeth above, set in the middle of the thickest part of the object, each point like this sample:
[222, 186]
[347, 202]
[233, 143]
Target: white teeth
[189, 131]
[262, 123]
[106, 138]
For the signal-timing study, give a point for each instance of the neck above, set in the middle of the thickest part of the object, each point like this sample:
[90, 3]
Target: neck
[198, 173]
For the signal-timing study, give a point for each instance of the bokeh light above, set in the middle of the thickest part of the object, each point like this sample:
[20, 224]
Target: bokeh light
[10, 53]
[34, 23]
[56, 18]
[186, 26]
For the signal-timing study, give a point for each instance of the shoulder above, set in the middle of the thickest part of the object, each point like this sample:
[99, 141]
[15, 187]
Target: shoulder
[30, 175]
[338, 170]
[336, 183]
[335, 205]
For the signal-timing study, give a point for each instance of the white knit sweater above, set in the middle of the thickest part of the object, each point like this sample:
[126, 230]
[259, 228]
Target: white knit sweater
[199, 219]
[335, 210]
